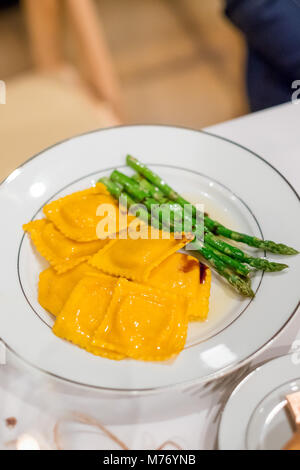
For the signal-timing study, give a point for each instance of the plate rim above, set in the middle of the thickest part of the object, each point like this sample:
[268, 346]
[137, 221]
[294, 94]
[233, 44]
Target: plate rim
[214, 376]
[121, 126]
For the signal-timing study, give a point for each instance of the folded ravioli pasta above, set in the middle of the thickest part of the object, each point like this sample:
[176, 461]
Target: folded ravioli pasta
[182, 274]
[128, 297]
[54, 289]
[78, 215]
[61, 252]
[143, 323]
[83, 313]
[135, 259]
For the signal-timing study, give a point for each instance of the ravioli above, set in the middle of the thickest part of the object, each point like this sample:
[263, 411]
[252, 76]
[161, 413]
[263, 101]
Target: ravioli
[78, 215]
[83, 313]
[54, 289]
[117, 286]
[61, 252]
[182, 274]
[143, 323]
[135, 259]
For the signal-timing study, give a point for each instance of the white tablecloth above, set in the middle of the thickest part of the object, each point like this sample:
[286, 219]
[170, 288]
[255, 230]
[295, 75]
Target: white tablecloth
[273, 134]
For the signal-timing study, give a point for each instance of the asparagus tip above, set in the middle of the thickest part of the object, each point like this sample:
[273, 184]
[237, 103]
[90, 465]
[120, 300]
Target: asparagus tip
[130, 158]
[279, 248]
[276, 267]
[244, 288]
[265, 265]
[288, 250]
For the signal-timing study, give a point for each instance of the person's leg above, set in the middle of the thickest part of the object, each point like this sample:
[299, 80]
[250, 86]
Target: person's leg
[266, 87]
[272, 31]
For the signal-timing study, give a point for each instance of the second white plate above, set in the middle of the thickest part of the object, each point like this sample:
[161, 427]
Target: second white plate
[255, 416]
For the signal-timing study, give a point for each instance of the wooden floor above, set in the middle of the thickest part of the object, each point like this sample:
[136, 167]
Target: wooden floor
[179, 61]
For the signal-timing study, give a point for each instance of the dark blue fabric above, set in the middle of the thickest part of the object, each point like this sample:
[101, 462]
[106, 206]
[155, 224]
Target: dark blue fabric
[272, 31]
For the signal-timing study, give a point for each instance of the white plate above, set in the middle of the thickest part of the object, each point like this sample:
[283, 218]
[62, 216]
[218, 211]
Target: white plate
[255, 416]
[237, 186]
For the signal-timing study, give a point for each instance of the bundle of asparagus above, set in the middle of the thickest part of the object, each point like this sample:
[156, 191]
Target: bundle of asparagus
[151, 197]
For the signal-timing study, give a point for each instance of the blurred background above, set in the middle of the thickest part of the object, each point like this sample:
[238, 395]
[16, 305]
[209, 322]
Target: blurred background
[74, 65]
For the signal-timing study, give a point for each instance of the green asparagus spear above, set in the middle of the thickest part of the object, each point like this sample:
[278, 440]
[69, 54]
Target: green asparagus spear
[147, 186]
[257, 263]
[175, 225]
[114, 189]
[132, 189]
[235, 265]
[155, 179]
[241, 285]
[212, 240]
[163, 211]
[267, 245]
[116, 175]
[223, 264]
[117, 192]
[212, 225]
